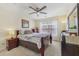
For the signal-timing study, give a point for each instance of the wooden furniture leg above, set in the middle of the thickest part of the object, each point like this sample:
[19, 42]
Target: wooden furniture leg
[42, 49]
[50, 39]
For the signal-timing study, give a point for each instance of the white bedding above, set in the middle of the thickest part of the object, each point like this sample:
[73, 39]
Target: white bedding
[34, 37]
[41, 34]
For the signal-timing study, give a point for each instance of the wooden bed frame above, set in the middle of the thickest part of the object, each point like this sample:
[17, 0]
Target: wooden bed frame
[33, 46]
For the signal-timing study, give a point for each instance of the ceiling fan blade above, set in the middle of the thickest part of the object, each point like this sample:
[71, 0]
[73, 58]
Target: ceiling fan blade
[43, 12]
[42, 8]
[32, 12]
[32, 8]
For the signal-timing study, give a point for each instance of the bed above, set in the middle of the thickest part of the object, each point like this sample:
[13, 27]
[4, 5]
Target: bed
[37, 42]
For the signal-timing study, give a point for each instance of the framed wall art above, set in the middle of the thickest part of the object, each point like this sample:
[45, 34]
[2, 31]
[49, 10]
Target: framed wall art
[25, 23]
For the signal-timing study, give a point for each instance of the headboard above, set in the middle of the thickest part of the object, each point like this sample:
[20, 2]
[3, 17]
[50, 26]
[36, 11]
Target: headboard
[23, 31]
[17, 33]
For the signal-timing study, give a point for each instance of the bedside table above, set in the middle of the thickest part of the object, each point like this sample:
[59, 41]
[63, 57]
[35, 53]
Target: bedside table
[12, 43]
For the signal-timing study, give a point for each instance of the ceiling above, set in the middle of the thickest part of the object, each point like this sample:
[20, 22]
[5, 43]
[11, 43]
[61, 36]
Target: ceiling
[53, 9]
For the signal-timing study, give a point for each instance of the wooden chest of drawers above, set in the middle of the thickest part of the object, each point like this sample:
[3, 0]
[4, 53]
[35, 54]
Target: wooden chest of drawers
[12, 43]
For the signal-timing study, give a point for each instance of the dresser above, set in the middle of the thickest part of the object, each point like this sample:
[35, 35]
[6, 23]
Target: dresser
[12, 43]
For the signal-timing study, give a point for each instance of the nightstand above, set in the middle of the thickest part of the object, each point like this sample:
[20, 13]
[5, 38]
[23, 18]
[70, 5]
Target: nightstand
[12, 43]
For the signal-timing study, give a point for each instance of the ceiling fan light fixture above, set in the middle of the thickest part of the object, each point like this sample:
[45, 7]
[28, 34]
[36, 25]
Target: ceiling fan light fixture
[37, 10]
[38, 13]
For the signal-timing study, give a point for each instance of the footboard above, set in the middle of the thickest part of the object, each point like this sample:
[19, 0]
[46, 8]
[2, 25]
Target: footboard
[33, 46]
[44, 44]
[42, 49]
[29, 45]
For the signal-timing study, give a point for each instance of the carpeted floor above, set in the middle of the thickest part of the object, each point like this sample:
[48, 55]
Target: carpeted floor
[53, 50]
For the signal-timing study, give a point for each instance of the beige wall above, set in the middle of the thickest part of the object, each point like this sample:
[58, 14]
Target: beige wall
[10, 18]
[9, 15]
[26, 17]
[61, 20]
[36, 23]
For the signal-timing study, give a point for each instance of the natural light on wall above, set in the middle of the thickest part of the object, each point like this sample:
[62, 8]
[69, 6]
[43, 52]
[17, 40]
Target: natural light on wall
[63, 21]
[63, 25]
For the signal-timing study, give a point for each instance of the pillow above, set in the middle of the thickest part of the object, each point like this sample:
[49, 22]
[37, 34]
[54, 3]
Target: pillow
[27, 32]
[21, 32]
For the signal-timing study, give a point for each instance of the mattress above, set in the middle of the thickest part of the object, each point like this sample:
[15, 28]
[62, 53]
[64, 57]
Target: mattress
[34, 37]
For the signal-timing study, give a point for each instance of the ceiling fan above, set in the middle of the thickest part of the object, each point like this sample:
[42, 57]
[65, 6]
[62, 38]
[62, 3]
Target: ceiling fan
[37, 10]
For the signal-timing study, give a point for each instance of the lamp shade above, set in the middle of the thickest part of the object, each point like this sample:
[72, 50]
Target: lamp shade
[11, 33]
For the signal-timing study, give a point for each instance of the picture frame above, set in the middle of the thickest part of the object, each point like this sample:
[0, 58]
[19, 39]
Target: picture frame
[25, 23]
